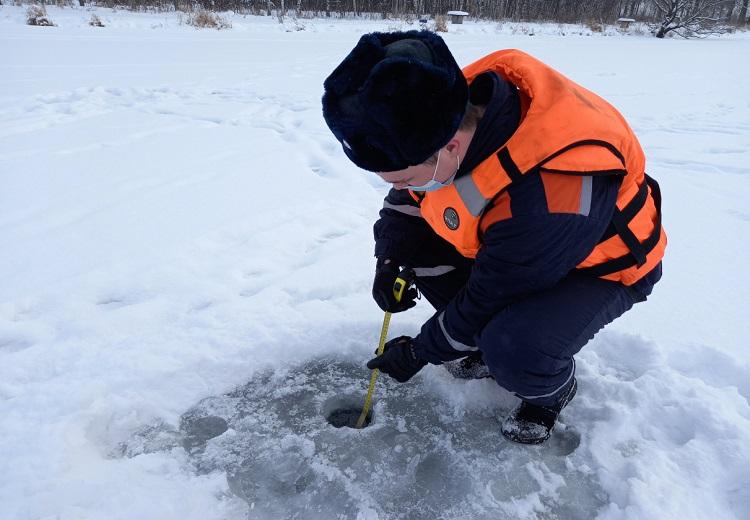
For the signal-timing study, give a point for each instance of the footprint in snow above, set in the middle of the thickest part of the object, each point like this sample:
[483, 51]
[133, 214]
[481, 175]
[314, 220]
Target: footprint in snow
[625, 356]
[15, 343]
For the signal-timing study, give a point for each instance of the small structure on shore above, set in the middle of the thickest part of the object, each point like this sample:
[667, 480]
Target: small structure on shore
[624, 23]
[457, 16]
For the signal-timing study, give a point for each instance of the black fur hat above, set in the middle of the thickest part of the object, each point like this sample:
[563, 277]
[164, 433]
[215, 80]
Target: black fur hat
[395, 100]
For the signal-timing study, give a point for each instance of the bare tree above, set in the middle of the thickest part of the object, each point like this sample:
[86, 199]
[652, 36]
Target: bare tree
[689, 17]
[742, 17]
[670, 14]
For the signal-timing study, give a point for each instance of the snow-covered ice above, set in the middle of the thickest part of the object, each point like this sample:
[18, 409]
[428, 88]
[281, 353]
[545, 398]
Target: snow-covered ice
[186, 258]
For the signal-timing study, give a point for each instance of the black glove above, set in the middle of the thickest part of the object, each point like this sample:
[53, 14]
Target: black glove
[386, 272]
[398, 360]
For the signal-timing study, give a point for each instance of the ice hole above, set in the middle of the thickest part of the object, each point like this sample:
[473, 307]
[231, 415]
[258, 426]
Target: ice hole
[345, 411]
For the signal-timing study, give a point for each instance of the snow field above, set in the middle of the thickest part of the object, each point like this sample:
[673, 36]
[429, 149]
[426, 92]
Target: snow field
[182, 237]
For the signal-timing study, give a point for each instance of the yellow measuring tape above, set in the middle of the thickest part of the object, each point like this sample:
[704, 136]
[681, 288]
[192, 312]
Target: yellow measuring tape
[398, 291]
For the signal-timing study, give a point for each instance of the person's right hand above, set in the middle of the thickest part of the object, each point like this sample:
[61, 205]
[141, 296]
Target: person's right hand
[398, 359]
[386, 272]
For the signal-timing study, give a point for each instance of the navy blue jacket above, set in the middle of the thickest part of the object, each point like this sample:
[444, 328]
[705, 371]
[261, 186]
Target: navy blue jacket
[527, 253]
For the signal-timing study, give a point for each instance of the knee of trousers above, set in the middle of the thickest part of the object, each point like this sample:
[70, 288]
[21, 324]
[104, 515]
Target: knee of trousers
[520, 359]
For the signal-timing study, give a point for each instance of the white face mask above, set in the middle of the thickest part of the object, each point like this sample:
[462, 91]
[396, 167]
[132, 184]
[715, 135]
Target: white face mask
[432, 184]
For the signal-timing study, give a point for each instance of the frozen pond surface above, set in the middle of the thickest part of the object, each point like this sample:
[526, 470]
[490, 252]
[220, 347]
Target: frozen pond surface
[187, 248]
[420, 458]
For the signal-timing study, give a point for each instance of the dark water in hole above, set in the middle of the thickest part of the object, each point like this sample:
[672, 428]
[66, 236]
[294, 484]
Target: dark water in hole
[348, 417]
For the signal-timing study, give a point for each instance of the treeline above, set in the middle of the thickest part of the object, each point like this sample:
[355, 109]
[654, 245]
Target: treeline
[565, 11]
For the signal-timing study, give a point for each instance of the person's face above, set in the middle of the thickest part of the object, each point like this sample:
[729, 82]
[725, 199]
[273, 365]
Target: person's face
[440, 170]
[411, 176]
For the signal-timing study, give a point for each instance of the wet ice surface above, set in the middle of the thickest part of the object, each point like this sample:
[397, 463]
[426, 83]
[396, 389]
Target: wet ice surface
[419, 459]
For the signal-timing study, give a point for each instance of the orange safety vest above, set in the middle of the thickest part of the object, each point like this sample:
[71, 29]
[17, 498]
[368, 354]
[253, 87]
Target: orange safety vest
[565, 130]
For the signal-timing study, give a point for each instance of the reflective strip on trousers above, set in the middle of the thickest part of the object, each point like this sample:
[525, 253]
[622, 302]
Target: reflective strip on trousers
[456, 345]
[556, 390]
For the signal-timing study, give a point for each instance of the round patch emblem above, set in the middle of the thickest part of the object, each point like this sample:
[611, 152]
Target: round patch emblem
[450, 217]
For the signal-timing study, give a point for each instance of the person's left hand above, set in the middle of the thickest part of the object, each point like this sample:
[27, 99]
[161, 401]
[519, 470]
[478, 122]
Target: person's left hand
[398, 359]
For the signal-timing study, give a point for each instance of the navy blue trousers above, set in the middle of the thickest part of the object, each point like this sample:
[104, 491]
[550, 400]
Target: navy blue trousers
[529, 346]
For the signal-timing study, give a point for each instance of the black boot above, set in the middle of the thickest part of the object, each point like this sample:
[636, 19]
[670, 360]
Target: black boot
[532, 424]
[470, 367]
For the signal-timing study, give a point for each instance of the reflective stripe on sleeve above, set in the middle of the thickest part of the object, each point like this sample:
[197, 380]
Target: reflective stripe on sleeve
[433, 271]
[406, 209]
[456, 345]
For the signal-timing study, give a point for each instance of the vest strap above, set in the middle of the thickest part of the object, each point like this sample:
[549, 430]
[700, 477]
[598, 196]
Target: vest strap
[629, 211]
[637, 250]
[626, 235]
[592, 142]
[509, 165]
